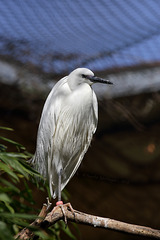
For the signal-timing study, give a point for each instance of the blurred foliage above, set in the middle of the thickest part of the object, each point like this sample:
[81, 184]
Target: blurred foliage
[16, 198]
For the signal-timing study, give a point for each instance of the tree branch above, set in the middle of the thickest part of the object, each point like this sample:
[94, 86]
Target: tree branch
[27, 233]
[78, 217]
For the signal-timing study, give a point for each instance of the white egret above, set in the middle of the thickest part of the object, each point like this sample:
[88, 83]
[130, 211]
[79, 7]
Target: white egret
[68, 122]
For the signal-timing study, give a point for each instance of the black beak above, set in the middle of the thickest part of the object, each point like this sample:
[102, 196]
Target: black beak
[97, 79]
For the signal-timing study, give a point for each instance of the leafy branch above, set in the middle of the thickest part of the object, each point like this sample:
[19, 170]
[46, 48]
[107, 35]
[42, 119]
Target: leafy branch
[16, 196]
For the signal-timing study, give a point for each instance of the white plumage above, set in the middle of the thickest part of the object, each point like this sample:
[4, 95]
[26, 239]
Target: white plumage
[68, 122]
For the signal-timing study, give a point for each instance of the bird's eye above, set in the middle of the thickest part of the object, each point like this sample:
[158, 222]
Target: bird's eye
[83, 76]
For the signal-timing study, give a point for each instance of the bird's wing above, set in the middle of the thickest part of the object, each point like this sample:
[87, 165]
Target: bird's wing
[76, 126]
[46, 128]
[90, 125]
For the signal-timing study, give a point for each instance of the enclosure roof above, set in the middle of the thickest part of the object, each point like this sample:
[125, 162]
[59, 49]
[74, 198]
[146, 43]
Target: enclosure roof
[61, 35]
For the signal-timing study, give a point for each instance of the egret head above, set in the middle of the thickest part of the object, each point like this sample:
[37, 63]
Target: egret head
[84, 75]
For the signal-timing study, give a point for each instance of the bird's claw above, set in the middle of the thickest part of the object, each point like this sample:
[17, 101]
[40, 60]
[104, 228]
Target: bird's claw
[69, 207]
[64, 215]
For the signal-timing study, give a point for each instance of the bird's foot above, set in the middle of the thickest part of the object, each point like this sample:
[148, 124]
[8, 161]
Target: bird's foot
[62, 206]
[70, 208]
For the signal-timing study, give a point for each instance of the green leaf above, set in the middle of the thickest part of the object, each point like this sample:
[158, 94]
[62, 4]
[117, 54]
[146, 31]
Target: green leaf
[8, 170]
[4, 232]
[18, 215]
[15, 161]
[10, 187]
[4, 198]
[67, 231]
[76, 228]
[6, 128]
[9, 207]
[2, 148]
[15, 204]
[11, 141]
[14, 155]
[11, 159]
[43, 235]
[30, 170]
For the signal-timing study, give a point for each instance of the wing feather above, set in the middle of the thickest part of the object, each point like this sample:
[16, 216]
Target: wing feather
[75, 127]
[41, 159]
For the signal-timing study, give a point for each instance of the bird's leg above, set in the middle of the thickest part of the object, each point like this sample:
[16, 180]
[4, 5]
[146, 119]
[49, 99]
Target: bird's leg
[59, 202]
